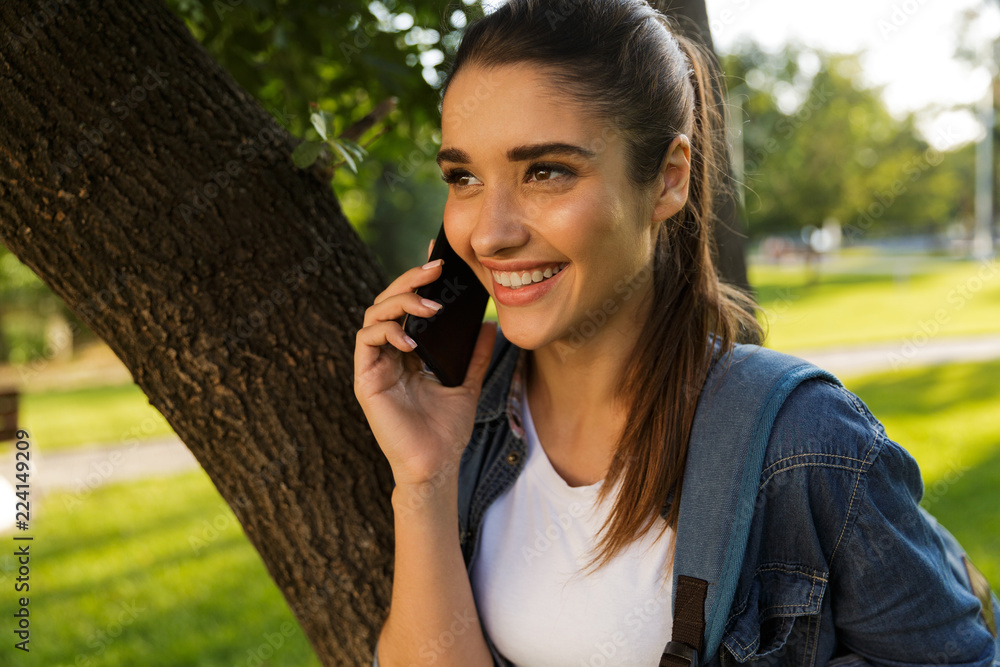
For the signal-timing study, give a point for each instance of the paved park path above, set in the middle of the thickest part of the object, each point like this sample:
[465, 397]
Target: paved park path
[82, 469]
[893, 356]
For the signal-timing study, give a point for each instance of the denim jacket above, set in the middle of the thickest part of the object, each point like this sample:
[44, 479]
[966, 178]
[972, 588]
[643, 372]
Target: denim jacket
[842, 566]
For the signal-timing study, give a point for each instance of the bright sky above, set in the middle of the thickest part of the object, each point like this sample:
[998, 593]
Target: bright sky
[909, 46]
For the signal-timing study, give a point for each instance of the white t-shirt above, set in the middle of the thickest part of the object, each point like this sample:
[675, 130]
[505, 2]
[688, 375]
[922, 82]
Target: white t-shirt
[535, 536]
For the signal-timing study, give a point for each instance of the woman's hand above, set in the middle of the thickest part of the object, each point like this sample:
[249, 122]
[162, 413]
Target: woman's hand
[421, 425]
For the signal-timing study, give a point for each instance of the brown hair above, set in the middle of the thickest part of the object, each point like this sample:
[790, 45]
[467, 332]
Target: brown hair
[628, 64]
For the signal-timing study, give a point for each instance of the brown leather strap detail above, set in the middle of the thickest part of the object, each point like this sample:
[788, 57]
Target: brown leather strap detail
[679, 655]
[689, 618]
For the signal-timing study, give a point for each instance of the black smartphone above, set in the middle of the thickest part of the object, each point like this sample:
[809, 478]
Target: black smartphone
[445, 340]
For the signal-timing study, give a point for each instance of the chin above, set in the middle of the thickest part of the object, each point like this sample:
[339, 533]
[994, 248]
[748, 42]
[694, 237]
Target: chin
[520, 332]
[527, 336]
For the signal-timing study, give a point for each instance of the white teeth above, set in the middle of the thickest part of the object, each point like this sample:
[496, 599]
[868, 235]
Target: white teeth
[515, 280]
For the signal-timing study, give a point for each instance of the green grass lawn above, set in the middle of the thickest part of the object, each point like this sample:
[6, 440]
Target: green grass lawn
[114, 415]
[115, 581]
[881, 301]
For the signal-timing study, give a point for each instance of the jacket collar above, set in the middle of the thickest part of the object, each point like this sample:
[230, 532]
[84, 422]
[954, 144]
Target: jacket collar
[502, 387]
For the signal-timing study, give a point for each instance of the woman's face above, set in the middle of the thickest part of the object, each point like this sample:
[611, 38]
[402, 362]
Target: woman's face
[538, 188]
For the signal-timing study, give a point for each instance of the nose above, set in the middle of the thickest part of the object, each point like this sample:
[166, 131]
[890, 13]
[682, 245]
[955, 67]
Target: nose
[500, 224]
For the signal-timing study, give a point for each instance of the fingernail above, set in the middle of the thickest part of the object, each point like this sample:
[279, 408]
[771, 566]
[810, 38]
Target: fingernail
[431, 304]
[409, 341]
[431, 265]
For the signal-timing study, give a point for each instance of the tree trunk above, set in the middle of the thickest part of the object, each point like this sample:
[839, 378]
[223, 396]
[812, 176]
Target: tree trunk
[731, 228]
[159, 201]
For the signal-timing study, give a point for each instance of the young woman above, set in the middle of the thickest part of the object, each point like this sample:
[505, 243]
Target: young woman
[582, 153]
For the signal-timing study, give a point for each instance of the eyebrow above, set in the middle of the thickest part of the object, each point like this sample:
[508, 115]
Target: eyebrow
[519, 153]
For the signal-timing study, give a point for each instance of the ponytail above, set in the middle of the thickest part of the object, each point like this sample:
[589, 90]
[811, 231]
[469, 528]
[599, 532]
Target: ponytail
[706, 132]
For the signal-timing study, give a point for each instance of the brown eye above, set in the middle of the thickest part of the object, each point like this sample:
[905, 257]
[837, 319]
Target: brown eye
[543, 173]
[458, 177]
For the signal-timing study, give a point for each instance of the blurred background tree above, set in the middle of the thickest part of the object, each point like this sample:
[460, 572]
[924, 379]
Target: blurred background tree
[817, 145]
[34, 322]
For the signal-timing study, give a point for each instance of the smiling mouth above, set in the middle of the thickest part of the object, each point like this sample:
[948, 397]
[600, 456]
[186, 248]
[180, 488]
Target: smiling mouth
[517, 279]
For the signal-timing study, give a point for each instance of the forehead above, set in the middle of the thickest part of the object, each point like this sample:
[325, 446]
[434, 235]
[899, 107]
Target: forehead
[511, 104]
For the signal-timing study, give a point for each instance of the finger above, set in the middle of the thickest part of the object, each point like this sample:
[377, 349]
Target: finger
[398, 305]
[370, 340]
[412, 279]
[481, 356]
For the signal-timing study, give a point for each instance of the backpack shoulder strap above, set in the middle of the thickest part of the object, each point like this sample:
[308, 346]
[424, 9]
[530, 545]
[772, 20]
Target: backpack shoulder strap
[736, 408]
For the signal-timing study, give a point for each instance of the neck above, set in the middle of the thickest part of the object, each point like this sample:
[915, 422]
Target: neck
[574, 380]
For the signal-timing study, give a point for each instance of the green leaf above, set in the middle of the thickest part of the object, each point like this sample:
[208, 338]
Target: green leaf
[306, 153]
[339, 145]
[318, 119]
[354, 148]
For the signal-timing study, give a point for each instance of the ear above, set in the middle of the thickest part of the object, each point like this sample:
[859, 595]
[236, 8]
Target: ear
[673, 181]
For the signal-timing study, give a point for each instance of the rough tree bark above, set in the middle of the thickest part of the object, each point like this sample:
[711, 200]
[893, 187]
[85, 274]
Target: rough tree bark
[159, 201]
[731, 228]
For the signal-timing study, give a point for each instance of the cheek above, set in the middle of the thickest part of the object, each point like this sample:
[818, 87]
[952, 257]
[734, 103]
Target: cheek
[583, 219]
[602, 228]
[458, 228]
